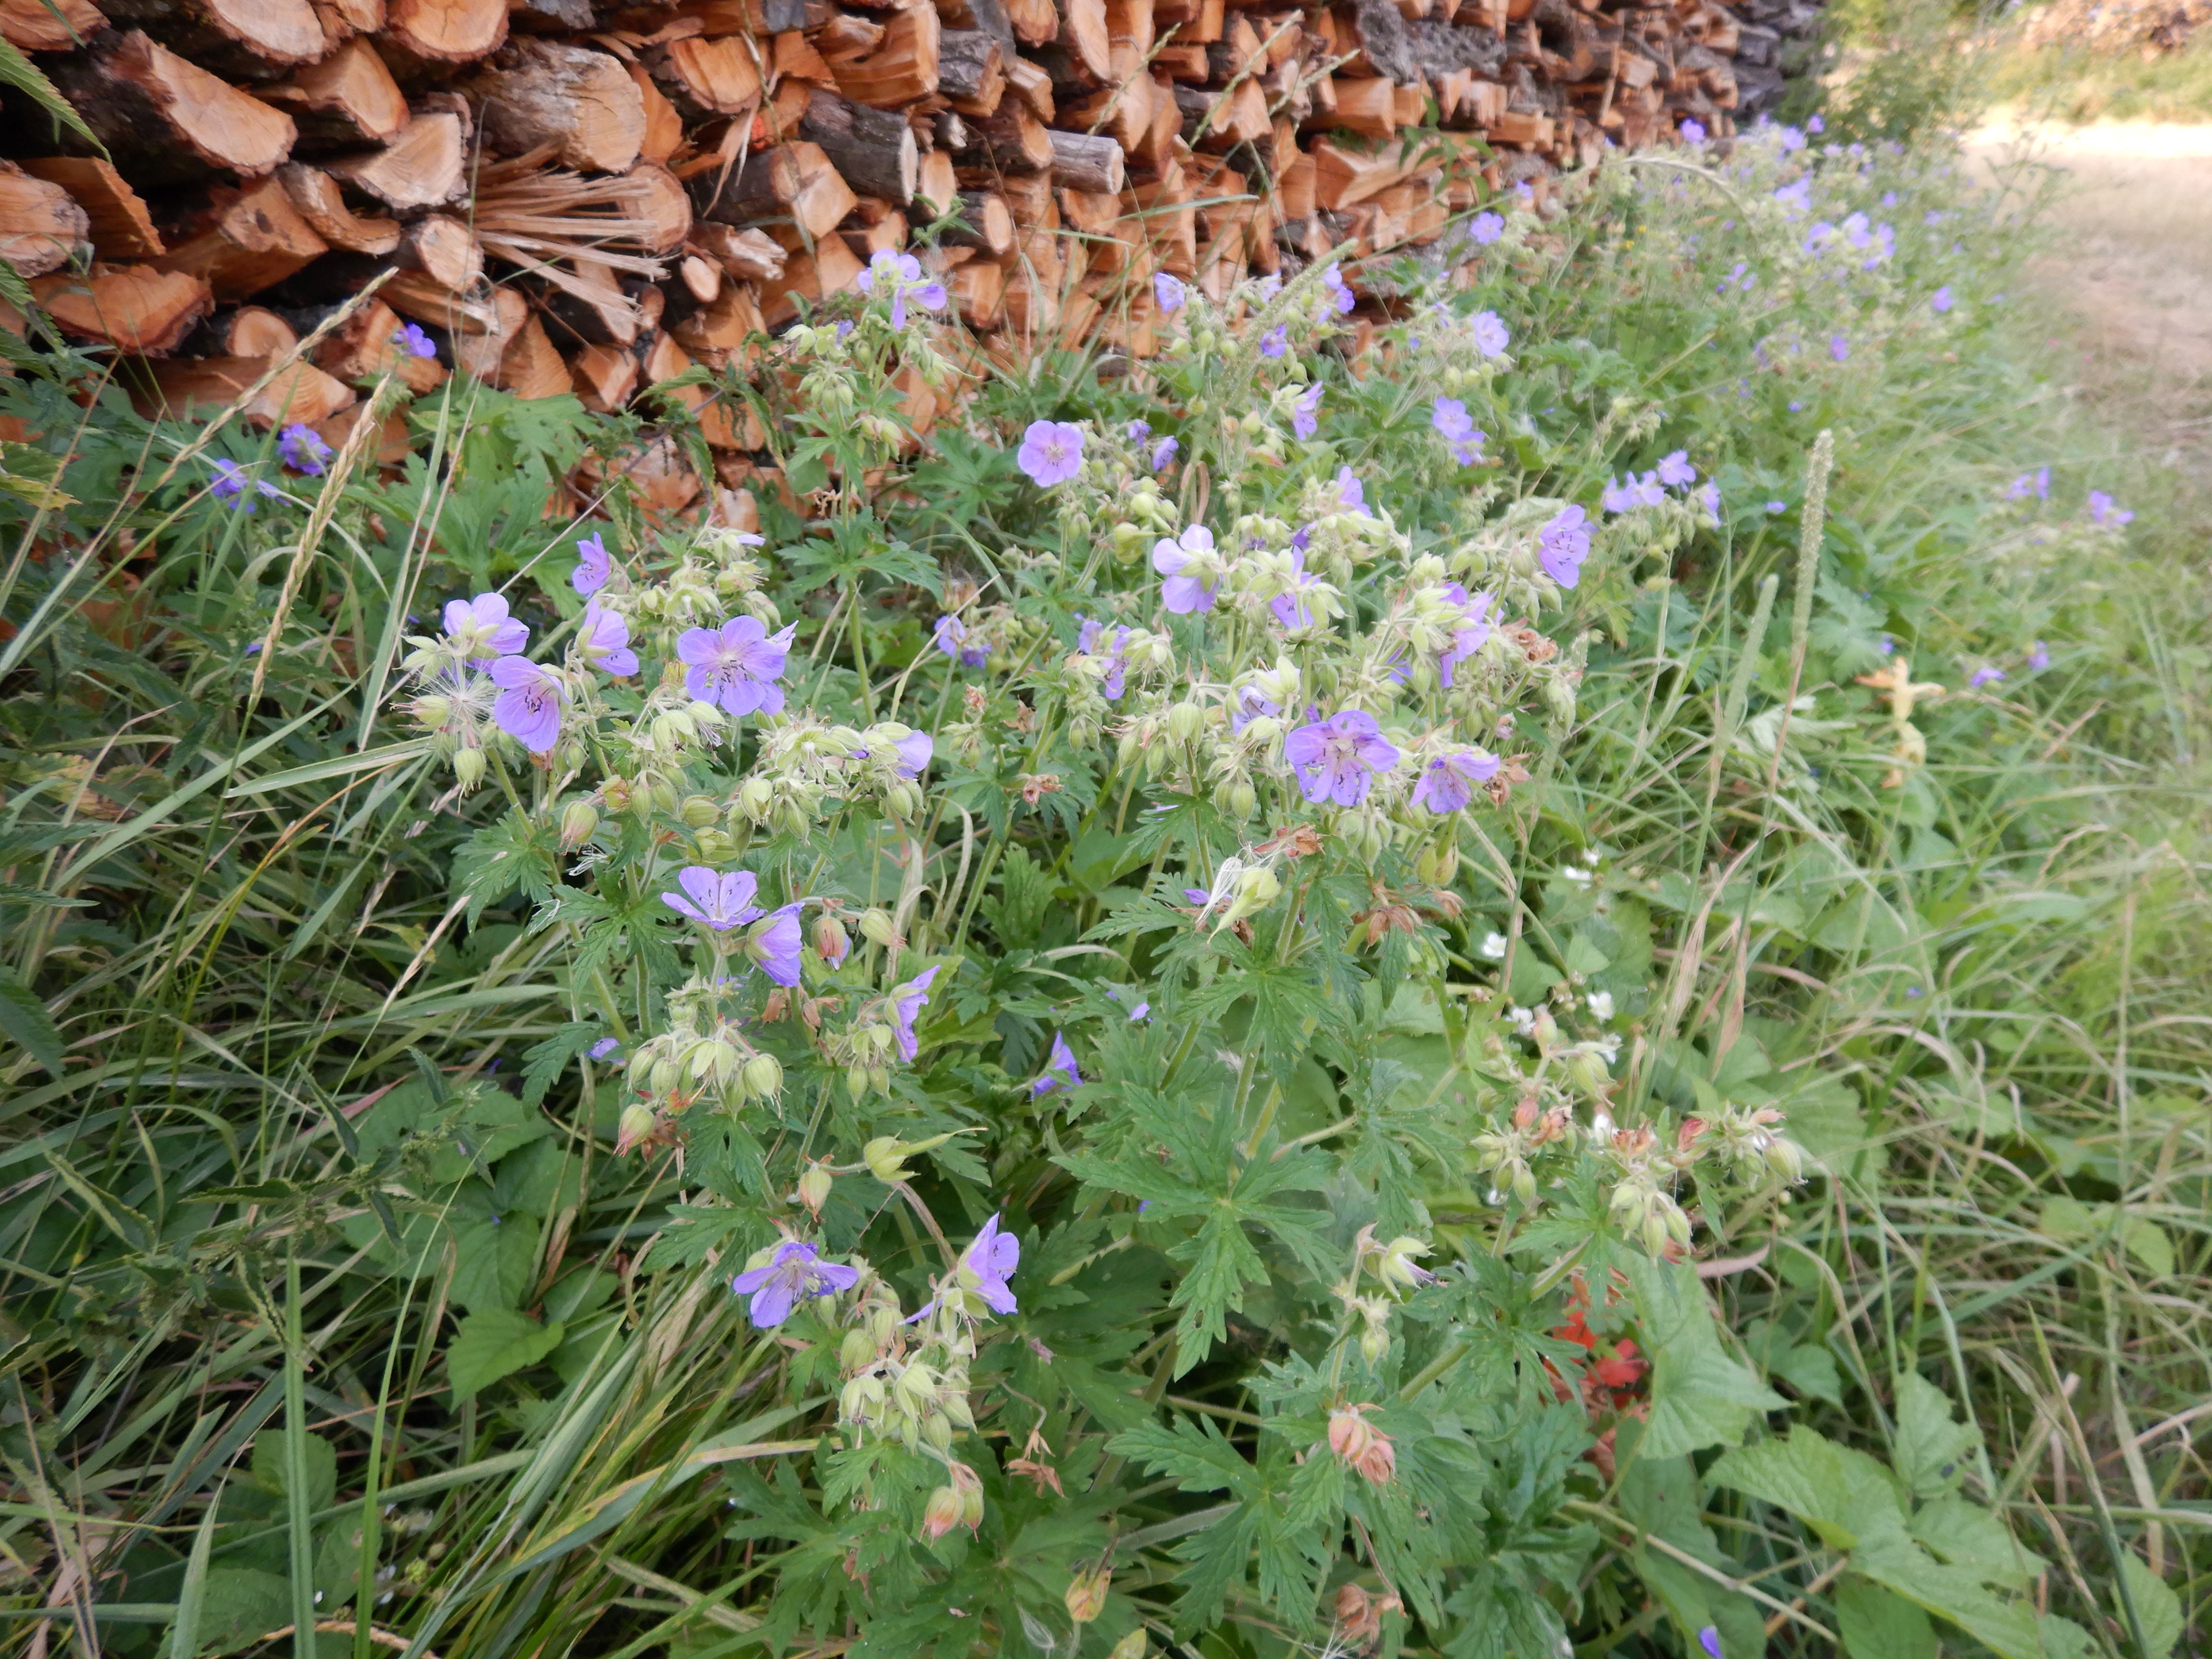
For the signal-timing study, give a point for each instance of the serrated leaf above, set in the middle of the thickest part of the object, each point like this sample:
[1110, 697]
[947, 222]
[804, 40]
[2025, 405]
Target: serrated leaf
[494, 1343]
[1931, 1450]
[26, 1022]
[494, 1264]
[1877, 1623]
[37, 898]
[21, 73]
[543, 1062]
[2158, 1609]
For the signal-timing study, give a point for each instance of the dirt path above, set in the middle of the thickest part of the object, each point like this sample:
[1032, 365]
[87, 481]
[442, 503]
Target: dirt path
[2129, 268]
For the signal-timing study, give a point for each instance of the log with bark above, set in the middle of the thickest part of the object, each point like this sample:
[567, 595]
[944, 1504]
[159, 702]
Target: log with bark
[586, 199]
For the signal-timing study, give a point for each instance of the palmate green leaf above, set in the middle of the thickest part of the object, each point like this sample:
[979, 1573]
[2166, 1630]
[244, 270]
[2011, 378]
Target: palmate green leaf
[1877, 1623]
[2157, 1608]
[1700, 1396]
[543, 1062]
[494, 1343]
[512, 855]
[1930, 1449]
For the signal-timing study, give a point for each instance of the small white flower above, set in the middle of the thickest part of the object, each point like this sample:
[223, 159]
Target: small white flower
[1524, 1020]
[1493, 948]
[1607, 1048]
[1600, 1124]
[1575, 874]
[1600, 1004]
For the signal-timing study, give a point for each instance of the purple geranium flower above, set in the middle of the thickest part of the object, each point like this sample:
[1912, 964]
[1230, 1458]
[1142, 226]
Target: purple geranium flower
[1291, 608]
[1777, 507]
[1982, 676]
[2103, 511]
[593, 566]
[1350, 494]
[1563, 545]
[300, 448]
[1467, 638]
[1708, 1638]
[231, 480]
[528, 706]
[2036, 483]
[736, 665]
[604, 638]
[1167, 293]
[1456, 427]
[1336, 759]
[1276, 341]
[2039, 658]
[1491, 338]
[605, 1046]
[1249, 704]
[1059, 1069]
[991, 1260]
[1939, 301]
[1140, 430]
[795, 1273]
[1305, 414]
[715, 900]
[481, 629]
[900, 276]
[1333, 279]
[1187, 590]
[1088, 635]
[1839, 348]
[914, 750]
[951, 637]
[774, 943]
[1051, 451]
[1163, 453]
[1447, 783]
[1694, 133]
[412, 339]
[1676, 471]
[1487, 229]
[908, 1000]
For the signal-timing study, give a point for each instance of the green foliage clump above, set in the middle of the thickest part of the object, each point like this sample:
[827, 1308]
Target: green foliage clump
[1492, 1006]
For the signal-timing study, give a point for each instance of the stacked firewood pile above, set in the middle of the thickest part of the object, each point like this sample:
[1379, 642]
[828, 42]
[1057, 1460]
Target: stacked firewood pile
[2152, 27]
[590, 196]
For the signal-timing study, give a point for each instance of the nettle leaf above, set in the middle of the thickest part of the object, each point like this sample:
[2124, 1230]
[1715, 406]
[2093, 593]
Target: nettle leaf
[543, 1062]
[1700, 1396]
[1931, 1450]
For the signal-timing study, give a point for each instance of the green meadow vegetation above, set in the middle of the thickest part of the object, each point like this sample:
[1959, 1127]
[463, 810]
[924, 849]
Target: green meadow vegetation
[1545, 994]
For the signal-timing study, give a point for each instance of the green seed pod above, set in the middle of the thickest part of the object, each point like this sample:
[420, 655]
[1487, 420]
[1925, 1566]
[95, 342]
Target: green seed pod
[699, 812]
[1374, 1343]
[468, 766]
[431, 711]
[580, 822]
[937, 1430]
[763, 1080]
[876, 928]
[884, 1157]
[858, 1349]
[1185, 720]
[666, 1074]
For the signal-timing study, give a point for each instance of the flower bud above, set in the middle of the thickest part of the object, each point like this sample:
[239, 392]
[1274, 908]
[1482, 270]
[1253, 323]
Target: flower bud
[666, 1074]
[635, 1125]
[616, 792]
[971, 1506]
[1131, 1646]
[876, 926]
[1545, 1030]
[941, 1513]
[699, 812]
[1438, 864]
[580, 822]
[858, 1349]
[1184, 721]
[1086, 1594]
[830, 943]
[1374, 1343]
[755, 797]
[856, 1081]
[886, 1158]
[762, 1076]
[433, 711]
[468, 769]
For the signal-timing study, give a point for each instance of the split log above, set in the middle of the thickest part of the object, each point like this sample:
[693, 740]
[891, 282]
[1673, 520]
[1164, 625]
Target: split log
[49, 25]
[478, 354]
[938, 182]
[447, 31]
[581, 104]
[727, 326]
[443, 249]
[983, 222]
[704, 78]
[422, 167]
[903, 68]
[529, 367]
[134, 307]
[366, 347]
[749, 256]
[121, 227]
[246, 240]
[316, 195]
[970, 70]
[231, 37]
[664, 127]
[350, 98]
[40, 223]
[170, 118]
[603, 378]
[832, 268]
[873, 150]
[300, 393]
